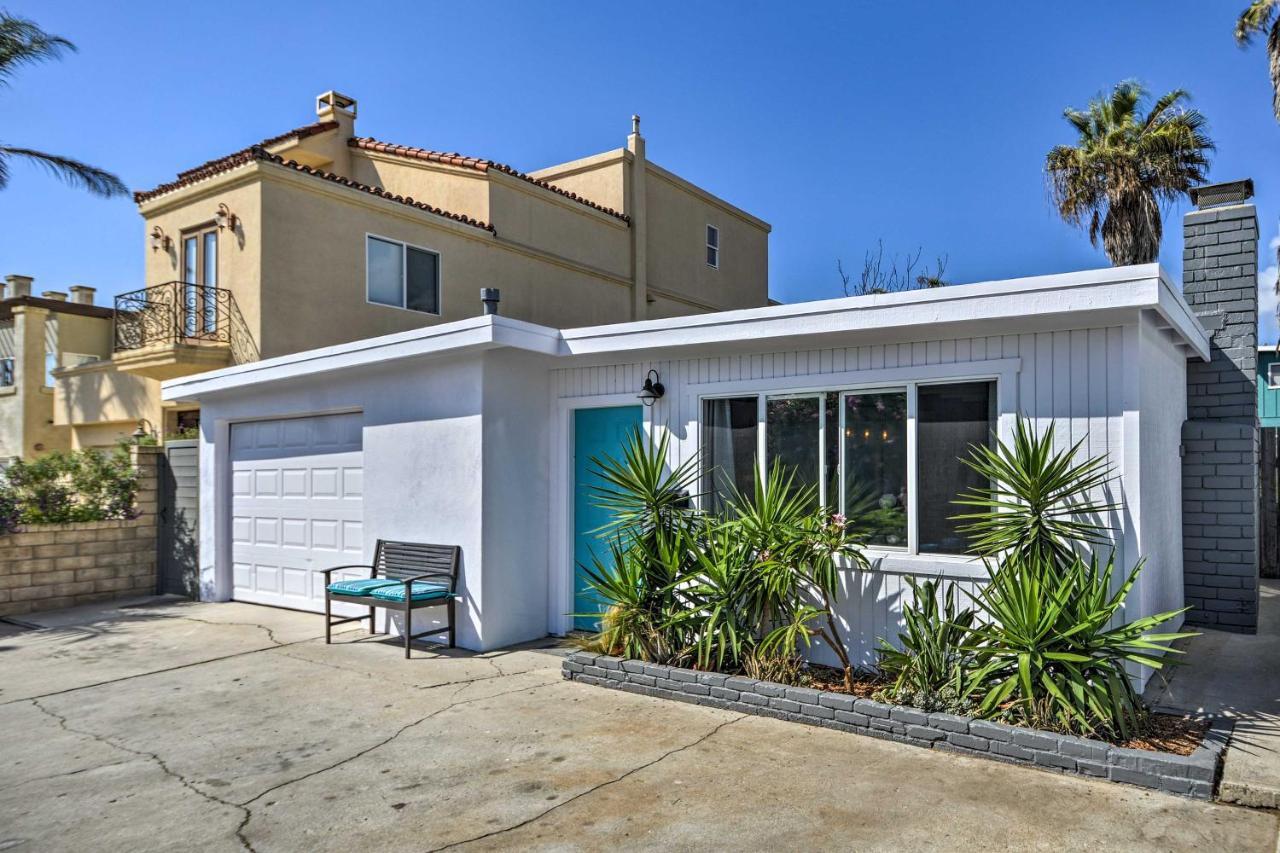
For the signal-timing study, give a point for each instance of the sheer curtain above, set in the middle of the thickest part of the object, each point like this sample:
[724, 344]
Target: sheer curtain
[729, 429]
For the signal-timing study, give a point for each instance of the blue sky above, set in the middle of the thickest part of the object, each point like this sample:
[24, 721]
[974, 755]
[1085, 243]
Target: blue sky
[922, 124]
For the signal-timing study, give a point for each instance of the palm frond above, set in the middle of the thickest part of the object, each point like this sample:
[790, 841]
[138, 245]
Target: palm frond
[22, 42]
[97, 181]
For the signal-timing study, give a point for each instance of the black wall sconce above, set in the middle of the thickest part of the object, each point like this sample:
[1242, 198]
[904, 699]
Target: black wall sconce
[652, 390]
[160, 240]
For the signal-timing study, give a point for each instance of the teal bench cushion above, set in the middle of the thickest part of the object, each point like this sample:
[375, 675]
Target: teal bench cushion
[364, 586]
[421, 591]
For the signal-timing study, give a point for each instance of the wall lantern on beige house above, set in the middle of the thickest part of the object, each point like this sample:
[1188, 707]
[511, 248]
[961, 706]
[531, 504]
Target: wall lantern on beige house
[225, 218]
[652, 390]
[160, 240]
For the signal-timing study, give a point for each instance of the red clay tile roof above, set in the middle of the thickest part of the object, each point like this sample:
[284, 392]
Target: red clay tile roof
[260, 154]
[368, 143]
[295, 134]
[230, 161]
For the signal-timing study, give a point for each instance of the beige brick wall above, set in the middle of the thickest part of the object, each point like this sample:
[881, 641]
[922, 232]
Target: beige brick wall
[51, 566]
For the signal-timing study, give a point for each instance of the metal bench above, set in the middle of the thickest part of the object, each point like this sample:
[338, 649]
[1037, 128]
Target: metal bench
[434, 568]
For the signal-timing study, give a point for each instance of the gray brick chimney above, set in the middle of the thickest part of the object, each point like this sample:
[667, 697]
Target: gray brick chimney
[1220, 437]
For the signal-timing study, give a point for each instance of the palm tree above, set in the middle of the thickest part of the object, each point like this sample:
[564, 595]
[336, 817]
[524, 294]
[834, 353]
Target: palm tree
[1258, 18]
[24, 43]
[1127, 162]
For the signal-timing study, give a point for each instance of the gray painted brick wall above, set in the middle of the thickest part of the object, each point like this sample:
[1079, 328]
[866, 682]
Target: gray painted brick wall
[1220, 437]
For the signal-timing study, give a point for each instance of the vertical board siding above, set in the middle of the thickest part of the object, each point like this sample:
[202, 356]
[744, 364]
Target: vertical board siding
[1070, 378]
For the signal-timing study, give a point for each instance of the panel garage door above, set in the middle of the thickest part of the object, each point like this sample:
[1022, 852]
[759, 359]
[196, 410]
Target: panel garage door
[296, 507]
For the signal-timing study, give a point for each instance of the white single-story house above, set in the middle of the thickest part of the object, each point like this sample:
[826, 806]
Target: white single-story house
[476, 433]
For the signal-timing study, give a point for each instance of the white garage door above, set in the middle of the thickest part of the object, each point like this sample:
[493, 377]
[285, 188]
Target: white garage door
[296, 507]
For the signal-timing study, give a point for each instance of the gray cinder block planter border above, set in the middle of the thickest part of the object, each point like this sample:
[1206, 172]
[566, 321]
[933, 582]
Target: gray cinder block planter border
[1193, 775]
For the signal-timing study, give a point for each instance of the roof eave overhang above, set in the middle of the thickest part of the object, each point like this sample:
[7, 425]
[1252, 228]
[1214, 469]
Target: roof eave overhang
[470, 336]
[1074, 300]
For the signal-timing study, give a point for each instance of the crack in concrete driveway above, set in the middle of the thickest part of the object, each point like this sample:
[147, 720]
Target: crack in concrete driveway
[589, 791]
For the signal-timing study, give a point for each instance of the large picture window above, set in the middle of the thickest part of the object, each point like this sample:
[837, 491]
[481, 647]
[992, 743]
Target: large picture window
[889, 459]
[402, 276]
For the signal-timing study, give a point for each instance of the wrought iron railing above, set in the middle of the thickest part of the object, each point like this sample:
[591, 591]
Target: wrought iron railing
[178, 312]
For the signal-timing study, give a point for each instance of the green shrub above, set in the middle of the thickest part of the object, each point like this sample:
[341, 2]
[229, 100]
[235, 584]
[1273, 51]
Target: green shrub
[61, 487]
[743, 589]
[930, 667]
[1045, 654]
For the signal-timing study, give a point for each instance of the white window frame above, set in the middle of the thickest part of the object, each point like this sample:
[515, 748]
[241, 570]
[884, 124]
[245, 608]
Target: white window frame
[1273, 375]
[404, 275]
[715, 246]
[1003, 372]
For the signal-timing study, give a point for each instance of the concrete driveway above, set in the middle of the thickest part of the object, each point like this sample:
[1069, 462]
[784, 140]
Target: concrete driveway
[229, 726]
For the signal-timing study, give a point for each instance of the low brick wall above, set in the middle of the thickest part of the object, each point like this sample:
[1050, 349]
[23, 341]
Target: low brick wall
[51, 566]
[1193, 775]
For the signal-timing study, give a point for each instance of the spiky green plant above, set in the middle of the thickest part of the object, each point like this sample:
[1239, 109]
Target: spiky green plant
[1260, 17]
[930, 658]
[1044, 652]
[1127, 161]
[1040, 503]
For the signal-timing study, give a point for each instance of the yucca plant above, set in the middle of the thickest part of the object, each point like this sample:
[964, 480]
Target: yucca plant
[1040, 503]
[651, 550]
[640, 490]
[929, 665]
[636, 584]
[1044, 651]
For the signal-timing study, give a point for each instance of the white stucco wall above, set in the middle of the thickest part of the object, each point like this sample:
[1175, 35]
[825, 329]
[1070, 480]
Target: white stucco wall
[422, 463]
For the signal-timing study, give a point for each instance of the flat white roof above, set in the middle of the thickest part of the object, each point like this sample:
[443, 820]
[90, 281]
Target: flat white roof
[1080, 299]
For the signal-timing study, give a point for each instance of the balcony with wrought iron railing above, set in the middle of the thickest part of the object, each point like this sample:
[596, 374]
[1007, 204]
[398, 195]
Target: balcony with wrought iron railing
[176, 329]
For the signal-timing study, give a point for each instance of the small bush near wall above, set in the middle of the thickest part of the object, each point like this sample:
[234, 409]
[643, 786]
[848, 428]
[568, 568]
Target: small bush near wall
[63, 487]
[52, 566]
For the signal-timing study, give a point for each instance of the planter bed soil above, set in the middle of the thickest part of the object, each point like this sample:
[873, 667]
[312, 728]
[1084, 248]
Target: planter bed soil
[1179, 734]
[1189, 767]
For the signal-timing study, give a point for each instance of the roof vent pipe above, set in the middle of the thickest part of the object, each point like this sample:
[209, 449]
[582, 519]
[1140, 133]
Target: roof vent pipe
[490, 297]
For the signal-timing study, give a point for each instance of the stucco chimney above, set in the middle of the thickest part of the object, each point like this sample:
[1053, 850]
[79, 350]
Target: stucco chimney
[18, 285]
[1221, 437]
[82, 294]
[55, 294]
[335, 106]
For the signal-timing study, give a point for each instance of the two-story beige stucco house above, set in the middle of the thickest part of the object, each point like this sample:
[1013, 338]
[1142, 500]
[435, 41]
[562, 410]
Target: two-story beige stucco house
[319, 236]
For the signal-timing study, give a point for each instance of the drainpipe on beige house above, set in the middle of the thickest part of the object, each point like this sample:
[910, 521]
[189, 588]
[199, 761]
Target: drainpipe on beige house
[636, 209]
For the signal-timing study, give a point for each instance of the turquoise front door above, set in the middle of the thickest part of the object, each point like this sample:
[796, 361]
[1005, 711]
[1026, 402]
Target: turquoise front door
[598, 433]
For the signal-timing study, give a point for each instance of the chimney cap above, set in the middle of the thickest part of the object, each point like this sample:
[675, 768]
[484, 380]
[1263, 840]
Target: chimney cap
[55, 294]
[1229, 192]
[635, 124]
[333, 100]
[82, 293]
